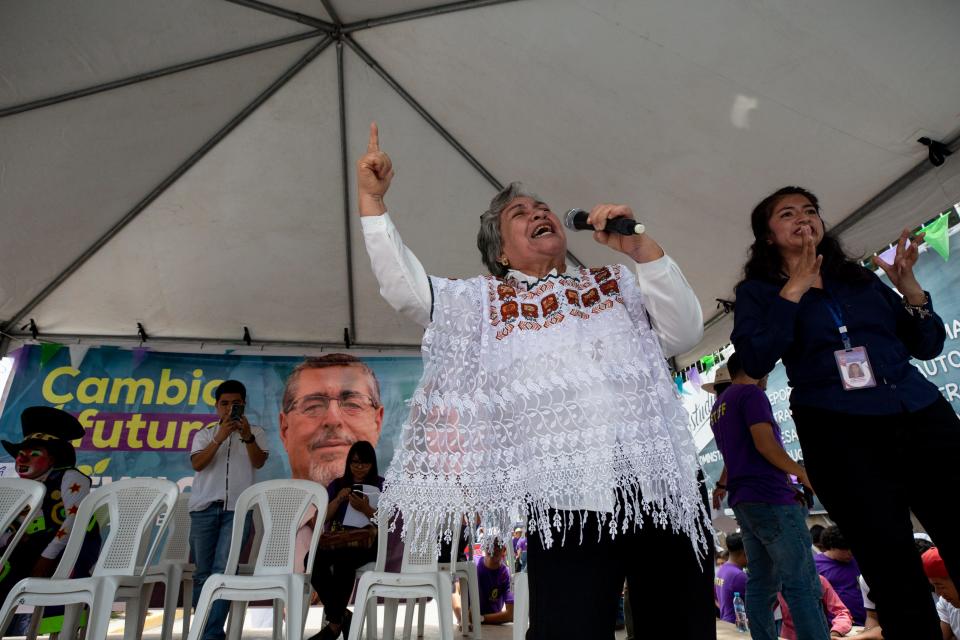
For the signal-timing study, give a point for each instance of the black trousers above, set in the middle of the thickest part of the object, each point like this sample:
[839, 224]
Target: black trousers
[334, 572]
[870, 472]
[575, 588]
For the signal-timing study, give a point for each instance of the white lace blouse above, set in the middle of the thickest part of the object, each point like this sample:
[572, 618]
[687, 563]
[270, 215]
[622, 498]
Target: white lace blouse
[539, 395]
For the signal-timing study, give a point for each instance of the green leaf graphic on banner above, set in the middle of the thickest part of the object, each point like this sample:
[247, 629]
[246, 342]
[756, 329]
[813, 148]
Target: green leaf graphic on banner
[938, 237]
[47, 351]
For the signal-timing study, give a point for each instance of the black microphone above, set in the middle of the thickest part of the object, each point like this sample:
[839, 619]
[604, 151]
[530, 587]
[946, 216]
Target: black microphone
[576, 220]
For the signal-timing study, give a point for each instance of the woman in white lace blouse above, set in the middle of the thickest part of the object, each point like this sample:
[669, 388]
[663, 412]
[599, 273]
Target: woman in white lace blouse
[546, 391]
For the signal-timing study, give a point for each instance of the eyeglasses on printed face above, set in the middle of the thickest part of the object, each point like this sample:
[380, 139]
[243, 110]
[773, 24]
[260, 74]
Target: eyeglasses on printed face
[317, 405]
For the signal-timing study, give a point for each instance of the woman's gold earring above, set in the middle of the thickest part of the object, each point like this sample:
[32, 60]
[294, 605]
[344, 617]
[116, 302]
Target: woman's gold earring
[504, 261]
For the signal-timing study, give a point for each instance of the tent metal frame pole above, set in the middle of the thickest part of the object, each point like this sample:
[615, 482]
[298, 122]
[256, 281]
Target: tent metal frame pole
[892, 190]
[332, 12]
[439, 128]
[64, 338]
[156, 73]
[280, 12]
[169, 180]
[404, 16]
[341, 91]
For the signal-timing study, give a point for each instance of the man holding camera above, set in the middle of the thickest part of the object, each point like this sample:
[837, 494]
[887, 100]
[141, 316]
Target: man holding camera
[224, 455]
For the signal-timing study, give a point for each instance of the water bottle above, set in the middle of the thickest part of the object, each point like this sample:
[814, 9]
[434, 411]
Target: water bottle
[740, 612]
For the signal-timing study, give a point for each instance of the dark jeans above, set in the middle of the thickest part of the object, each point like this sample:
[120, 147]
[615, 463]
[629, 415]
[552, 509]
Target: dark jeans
[870, 472]
[575, 588]
[334, 572]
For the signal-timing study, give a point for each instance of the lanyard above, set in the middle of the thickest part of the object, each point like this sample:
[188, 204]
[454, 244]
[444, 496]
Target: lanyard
[837, 314]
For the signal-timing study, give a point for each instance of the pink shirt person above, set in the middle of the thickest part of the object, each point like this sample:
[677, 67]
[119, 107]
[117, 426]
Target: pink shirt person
[837, 613]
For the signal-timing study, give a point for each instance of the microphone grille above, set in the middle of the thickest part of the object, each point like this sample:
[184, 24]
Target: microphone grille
[570, 215]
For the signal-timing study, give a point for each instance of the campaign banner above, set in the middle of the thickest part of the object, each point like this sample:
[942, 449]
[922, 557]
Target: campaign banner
[940, 278]
[141, 409]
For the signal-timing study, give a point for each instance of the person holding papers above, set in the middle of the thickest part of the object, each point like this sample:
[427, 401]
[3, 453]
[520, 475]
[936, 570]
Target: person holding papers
[352, 503]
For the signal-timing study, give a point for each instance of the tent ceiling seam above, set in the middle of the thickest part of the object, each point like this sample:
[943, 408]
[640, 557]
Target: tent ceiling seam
[433, 122]
[168, 181]
[154, 74]
[280, 12]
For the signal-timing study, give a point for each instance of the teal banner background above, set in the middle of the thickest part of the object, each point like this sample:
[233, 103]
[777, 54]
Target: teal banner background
[142, 408]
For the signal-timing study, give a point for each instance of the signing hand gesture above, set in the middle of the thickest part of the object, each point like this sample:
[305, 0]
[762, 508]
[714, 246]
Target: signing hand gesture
[642, 248]
[805, 273]
[901, 271]
[374, 173]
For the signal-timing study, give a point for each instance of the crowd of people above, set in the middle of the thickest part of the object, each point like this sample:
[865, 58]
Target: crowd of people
[546, 390]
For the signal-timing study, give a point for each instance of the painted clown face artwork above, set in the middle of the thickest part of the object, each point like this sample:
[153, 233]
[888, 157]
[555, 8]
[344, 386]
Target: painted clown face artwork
[33, 461]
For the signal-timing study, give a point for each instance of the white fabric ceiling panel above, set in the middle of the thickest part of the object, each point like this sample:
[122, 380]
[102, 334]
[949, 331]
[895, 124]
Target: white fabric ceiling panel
[252, 236]
[71, 171]
[55, 46]
[354, 10]
[435, 200]
[312, 8]
[631, 120]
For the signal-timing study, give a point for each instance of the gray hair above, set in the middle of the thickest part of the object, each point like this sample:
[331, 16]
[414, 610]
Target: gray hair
[489, 240]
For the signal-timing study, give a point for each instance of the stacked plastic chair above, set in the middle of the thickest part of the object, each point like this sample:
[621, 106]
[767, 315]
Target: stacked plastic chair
[132, 508]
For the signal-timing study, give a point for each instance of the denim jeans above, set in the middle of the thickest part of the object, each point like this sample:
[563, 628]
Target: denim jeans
[777, 544]
[210, 531]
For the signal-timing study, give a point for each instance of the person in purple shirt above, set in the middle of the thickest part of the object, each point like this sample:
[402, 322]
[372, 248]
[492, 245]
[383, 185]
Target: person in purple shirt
[837, 565]
[768, 508]
[493, 579]
[730, 578]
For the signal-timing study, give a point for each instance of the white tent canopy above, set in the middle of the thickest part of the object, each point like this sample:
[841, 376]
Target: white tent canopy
[181, 163]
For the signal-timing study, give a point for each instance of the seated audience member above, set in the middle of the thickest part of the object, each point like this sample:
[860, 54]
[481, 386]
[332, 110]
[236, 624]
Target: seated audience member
[815, 532]
[837, 565]
[335, 568]
[838, 616]
[493, 578]
[871, 628]
[730, 577]
[46, 455]
[948, 603]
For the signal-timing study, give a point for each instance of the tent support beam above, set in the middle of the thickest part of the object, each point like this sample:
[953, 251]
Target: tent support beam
[302, 18]
[328, 6]
[404, 16]
[156, 73]
[892, 190]
[416, 106]
[134, 340]
[169, 180]
[345, 169]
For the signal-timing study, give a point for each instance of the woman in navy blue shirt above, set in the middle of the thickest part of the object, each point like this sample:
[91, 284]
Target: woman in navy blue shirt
[878, 439]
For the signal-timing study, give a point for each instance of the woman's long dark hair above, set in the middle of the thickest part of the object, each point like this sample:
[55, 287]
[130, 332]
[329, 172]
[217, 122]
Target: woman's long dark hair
[765, 262]
[364, 451]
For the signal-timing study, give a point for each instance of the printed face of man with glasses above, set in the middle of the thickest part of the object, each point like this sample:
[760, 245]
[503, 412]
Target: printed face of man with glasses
[328, 404]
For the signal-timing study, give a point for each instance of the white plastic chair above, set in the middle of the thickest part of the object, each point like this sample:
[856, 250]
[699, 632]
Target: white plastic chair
[282, 505]
[465, 573]
[521, 605]
[17, 495]
[419, 577]
[132, 506]
[173, 570]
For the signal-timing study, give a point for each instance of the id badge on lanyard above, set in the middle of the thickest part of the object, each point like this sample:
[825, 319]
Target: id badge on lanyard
[853, 364]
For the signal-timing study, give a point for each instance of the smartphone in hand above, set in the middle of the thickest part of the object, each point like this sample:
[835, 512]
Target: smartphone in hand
[236, 412]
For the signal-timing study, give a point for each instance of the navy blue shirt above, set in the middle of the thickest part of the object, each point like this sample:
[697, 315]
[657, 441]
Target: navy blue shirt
[767, 328]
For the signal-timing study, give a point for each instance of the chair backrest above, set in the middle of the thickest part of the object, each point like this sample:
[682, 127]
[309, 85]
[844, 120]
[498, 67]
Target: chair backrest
[17, 495]
[282, 506]
[421, 547]
[176, 545]
[132, 506]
